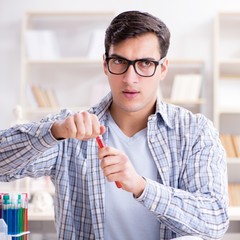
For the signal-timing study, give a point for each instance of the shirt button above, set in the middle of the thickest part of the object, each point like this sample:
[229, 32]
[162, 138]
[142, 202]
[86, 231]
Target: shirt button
[164, 169]
[37, 132]
[152, 140]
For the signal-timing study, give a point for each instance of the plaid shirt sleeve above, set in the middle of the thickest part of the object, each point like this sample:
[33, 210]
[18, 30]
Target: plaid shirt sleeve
[193, 199]
[21, 145]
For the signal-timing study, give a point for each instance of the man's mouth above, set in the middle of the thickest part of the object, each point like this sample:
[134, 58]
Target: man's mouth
[130, 93]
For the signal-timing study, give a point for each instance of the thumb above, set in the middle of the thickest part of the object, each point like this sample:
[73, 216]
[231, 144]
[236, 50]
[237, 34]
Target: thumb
[102, 129]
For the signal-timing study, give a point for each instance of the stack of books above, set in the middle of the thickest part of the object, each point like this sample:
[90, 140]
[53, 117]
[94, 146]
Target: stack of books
[44, 97]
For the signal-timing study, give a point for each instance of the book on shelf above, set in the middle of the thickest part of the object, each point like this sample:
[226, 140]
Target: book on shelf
[39, 96]
[51, 98]
[234, 194]
[236, 143]
[231, 144]
[41, 45]
[44, 97]
[186, 87]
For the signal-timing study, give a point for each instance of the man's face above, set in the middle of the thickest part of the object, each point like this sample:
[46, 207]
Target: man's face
[131, 92]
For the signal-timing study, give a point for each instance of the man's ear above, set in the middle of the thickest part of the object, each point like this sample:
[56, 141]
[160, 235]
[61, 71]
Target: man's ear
[104, 64]
[164, 69]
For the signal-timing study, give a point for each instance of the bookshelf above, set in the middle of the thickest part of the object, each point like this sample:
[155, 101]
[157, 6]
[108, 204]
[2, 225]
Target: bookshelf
[61, 58]
[226, 103]
[226, 70]
[184, 76]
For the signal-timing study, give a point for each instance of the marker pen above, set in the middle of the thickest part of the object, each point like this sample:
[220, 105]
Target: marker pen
[7, 216]
[101, 144]
[25, 214]
[20, 214]
[1, 205]
[15, 213]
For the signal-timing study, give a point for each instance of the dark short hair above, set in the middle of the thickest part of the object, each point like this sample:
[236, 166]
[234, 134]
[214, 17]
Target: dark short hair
[134, 23]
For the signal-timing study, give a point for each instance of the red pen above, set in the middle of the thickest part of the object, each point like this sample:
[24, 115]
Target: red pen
[101, 144]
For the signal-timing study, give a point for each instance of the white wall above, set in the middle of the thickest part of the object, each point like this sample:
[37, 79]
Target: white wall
[190, 23]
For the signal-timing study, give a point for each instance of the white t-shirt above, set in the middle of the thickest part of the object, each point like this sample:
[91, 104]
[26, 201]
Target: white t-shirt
[126, 218]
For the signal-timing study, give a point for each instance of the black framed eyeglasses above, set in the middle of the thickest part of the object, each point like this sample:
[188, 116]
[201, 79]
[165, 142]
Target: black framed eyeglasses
[143, 67]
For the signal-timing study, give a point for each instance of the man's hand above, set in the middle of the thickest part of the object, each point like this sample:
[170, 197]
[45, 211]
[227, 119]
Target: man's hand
[117, 167]
[83, 126]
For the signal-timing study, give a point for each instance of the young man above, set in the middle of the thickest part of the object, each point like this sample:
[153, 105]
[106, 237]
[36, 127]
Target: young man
[169, 162]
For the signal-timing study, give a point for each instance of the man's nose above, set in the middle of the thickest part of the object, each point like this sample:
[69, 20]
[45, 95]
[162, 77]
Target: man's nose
[130, 75]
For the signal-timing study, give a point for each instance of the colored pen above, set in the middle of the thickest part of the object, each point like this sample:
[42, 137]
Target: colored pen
[101, 144]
